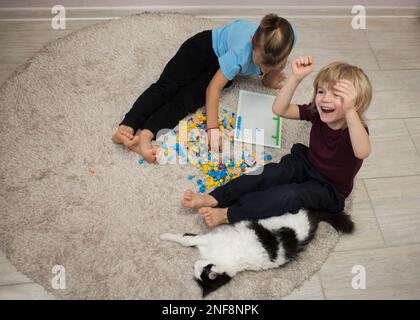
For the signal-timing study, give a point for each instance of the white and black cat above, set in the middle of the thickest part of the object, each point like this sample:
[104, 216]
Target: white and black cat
[254, 245]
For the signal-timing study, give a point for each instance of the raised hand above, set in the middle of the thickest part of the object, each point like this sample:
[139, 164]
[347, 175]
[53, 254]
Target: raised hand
[302, 66]
[346, 90]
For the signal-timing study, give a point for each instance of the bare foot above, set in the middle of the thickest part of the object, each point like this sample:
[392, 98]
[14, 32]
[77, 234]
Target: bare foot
[143, 145]
[124, 135]
[195, 201]
[148, 152]
[214, 216]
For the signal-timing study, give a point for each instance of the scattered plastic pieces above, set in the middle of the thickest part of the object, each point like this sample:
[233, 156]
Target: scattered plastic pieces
[202, 188]
[216, 172]
[268, 157]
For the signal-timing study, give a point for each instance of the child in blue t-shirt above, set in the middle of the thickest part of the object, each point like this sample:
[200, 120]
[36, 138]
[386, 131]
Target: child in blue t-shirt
[204, 65]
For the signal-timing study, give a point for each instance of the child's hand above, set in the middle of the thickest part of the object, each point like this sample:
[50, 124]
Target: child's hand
[302, 66]
[346, 90]
[214, 140]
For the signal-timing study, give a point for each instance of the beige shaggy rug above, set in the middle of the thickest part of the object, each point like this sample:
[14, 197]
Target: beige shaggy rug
[58, 112]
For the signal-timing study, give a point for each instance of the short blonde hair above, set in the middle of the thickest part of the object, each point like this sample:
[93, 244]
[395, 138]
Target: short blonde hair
[341, 70]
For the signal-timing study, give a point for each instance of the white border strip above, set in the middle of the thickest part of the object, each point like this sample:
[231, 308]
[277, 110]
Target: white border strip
[201, 16]
[304, 7]
[200, 11]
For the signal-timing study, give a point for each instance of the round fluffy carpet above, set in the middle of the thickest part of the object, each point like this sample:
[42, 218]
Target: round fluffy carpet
[58, 112]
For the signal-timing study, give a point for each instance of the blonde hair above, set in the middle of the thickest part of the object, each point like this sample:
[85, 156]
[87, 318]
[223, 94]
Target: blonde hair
[274, 38]
[341, 70]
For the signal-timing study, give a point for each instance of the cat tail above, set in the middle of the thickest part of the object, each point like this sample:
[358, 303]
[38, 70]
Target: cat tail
[186, 239]
[340, 221]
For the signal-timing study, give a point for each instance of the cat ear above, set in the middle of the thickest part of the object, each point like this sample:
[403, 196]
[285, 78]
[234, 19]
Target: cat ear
[205, 290]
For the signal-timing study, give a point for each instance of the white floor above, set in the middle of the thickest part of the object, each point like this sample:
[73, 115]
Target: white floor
[387, 195]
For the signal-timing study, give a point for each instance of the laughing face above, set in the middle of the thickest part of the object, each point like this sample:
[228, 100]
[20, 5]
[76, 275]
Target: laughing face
[330, 107]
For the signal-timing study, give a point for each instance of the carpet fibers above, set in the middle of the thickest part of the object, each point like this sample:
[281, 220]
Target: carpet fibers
[58, 112]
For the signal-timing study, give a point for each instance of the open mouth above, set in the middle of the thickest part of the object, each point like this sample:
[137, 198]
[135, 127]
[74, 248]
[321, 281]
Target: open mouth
[327, 109]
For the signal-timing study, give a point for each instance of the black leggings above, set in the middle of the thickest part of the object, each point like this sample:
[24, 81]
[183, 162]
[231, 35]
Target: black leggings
[181, 88]
[282, 187]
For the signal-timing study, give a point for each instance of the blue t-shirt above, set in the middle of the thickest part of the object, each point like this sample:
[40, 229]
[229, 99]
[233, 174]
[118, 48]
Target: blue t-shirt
[233, 48]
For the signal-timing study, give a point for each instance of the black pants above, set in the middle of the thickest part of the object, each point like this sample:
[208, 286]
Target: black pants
[181, 88]
[282, 187]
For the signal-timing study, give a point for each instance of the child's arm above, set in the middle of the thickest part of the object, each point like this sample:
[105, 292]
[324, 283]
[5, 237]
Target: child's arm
[213, 91]
[301, 67]
[358, 135]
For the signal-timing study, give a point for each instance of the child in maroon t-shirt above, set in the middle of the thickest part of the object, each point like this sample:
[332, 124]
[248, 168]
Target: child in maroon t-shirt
[318, 177]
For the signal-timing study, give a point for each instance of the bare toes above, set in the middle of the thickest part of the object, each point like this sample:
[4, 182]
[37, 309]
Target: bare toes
[133, 142]
[188, 194]
[209, 221]
[149, 156]
[116, 138]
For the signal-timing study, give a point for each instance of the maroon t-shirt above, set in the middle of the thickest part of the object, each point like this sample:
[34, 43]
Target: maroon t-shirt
[331, 152]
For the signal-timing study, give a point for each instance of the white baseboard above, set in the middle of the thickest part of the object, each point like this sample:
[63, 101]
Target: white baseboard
[101, 13]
